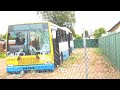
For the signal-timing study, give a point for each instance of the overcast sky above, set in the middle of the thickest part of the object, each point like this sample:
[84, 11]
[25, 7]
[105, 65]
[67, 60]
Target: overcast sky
[14, 17]
[89, 20]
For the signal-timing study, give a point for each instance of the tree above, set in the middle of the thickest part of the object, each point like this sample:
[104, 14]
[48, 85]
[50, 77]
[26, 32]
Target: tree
[61, 18]
[4, 37]
[86, 33]
[77, 36]
[98, 32]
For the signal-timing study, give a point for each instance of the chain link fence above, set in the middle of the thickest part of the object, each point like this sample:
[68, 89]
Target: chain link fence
[90, 59]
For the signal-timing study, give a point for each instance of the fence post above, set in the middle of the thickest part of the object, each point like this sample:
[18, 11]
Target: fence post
[85, 53]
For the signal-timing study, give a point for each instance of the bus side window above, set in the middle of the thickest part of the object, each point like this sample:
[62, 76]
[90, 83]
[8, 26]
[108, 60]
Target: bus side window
[63, 36]
[71, 37]
[60, 35]
[66, 37]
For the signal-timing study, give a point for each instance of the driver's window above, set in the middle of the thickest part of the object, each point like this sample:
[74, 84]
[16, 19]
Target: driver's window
[16, 38]
[16, 43]
[38, 42]
[33, 42]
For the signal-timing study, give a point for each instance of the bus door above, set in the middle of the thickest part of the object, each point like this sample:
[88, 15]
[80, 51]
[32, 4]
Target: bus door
[56, 47]
[69, 43]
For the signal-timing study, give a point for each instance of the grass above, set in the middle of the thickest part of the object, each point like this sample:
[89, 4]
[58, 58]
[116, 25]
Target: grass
[69, 61]
[72, 59]
[98, 51]
[109, 63]
[2, 54]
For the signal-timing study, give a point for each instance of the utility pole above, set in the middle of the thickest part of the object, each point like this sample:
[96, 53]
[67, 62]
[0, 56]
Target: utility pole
[85, 53]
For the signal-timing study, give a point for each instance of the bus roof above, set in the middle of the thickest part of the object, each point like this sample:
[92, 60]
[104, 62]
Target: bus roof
[29, 23]
[63, 28]
[66, 29]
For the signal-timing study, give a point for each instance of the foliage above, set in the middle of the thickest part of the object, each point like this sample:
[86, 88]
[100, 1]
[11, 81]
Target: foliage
[72, 59]
[77, 36]
[61, 18]
[4, 37]
[98, 51]
[86, 33]
[98, 32]
[2, 54]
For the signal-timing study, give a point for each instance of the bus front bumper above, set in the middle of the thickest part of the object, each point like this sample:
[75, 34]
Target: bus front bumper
[11, 69]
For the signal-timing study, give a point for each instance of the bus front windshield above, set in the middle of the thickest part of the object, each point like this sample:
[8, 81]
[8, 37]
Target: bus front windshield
[30, 41]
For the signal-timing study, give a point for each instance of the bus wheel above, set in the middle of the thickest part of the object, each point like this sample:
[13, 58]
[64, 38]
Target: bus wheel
[55, 64]
[51, 70]
[48, 71]
[61, 59]
[17, 72]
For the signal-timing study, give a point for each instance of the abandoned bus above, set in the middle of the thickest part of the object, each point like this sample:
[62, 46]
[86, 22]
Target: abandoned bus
[37, 46]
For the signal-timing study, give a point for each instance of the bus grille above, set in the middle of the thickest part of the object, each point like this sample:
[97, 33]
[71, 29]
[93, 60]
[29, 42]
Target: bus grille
[28, 61]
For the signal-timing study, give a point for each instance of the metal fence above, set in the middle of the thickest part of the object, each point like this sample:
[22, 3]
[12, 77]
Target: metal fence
[110, 46]
[90, 59]
[78, 43]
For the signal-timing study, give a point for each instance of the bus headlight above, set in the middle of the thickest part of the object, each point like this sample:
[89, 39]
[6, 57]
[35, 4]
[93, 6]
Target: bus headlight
[10, 65]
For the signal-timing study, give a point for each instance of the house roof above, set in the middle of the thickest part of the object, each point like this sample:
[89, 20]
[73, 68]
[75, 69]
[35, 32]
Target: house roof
[112, 29]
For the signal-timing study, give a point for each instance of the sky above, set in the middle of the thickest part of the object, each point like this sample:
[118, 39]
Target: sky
[88, 20]
[91, 20]
[15, 17]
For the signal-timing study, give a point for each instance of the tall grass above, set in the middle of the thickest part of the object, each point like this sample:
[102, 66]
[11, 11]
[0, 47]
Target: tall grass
[73, 58]
[98, 51]
[2, 54]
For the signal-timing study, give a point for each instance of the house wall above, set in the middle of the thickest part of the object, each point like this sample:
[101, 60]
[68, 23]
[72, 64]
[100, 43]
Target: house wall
[115, 30]
[118, 29]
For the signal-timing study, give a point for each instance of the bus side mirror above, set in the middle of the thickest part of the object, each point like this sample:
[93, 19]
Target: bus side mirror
[53, 34]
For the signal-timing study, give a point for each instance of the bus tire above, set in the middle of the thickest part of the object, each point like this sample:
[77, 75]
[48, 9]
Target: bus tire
[61, 57]
[55, 65]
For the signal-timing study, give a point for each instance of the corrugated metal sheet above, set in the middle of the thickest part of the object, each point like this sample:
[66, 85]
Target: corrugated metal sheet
[110, 46]
[90, 43]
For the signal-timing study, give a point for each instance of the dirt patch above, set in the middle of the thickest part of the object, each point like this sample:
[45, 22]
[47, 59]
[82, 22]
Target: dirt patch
[2, 68]
[73, 68]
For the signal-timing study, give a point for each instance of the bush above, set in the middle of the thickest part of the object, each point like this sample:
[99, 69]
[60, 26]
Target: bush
[2, 54]
[78, 36]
